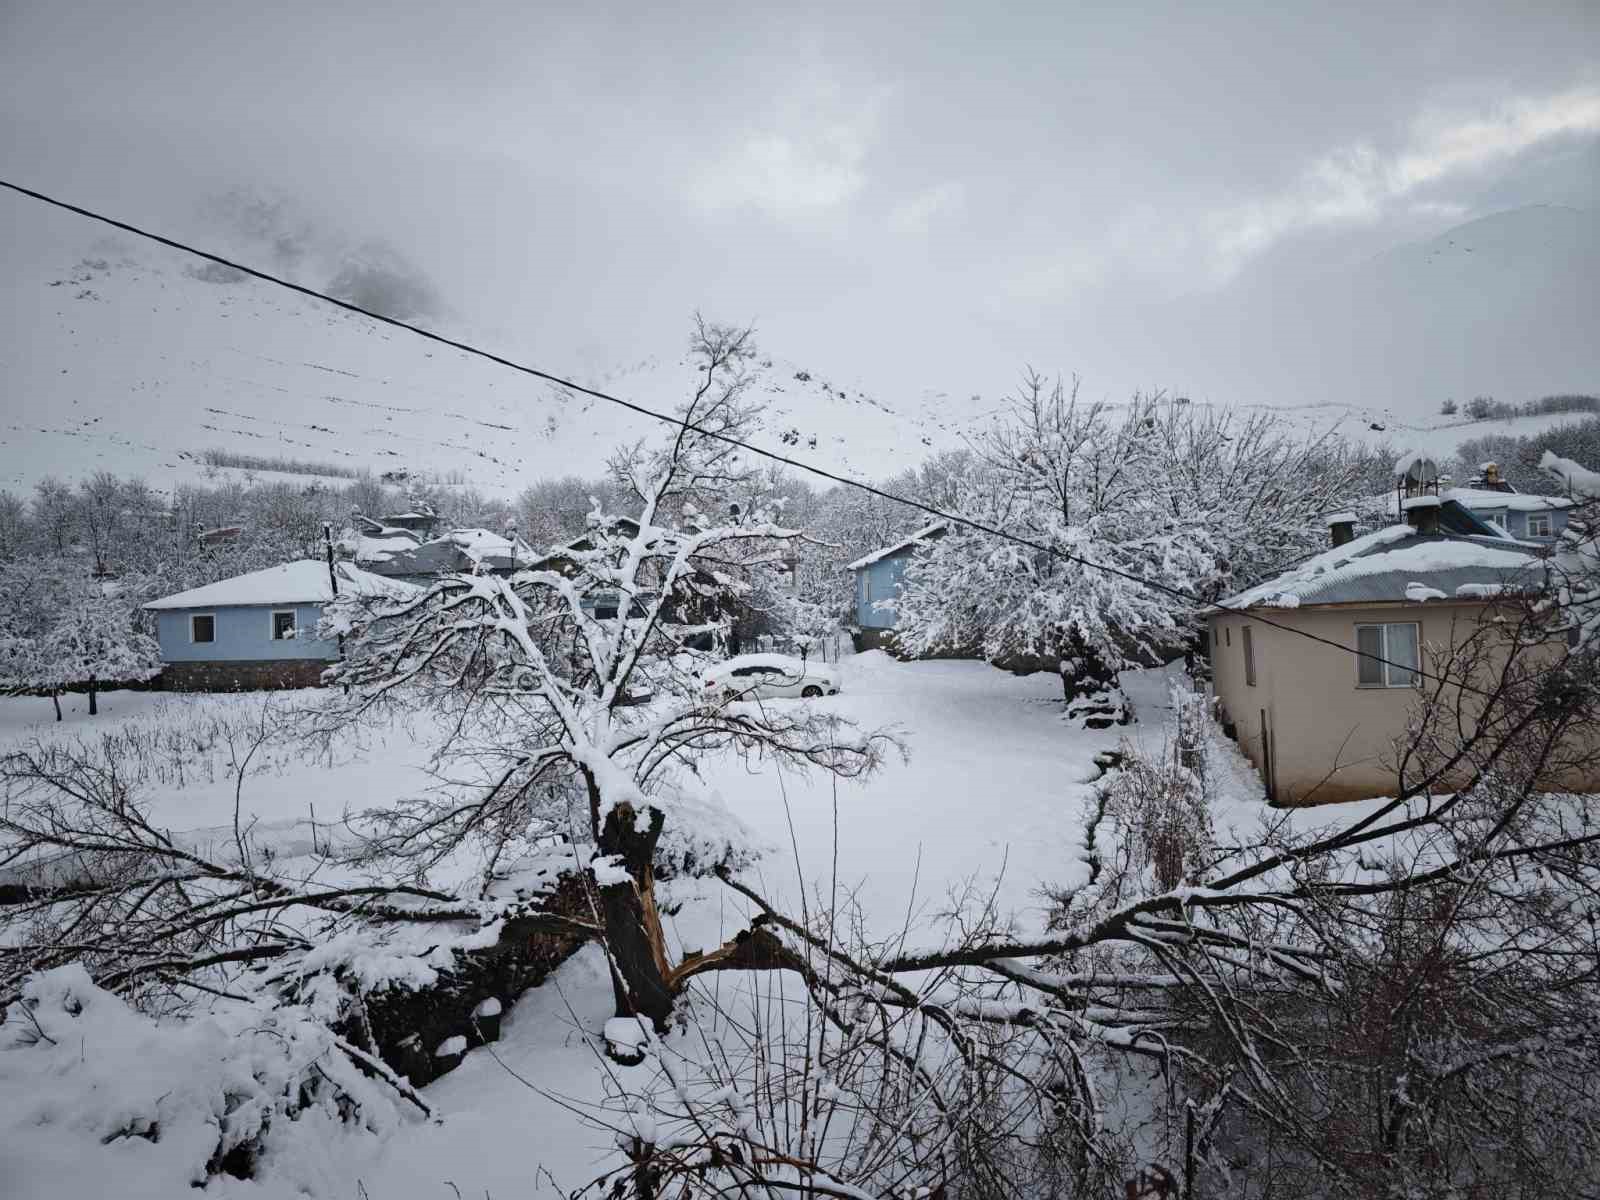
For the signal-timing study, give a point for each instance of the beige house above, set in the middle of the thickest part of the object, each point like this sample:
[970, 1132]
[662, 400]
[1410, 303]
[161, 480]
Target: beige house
[1319, 722]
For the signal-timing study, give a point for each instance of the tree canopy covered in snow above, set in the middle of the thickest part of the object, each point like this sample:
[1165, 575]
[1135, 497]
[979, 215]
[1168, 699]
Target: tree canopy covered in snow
[1134, 519]
[577, 691]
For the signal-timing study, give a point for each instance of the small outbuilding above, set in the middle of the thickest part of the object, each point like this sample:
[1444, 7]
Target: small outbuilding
[878, 578]
[257, 630]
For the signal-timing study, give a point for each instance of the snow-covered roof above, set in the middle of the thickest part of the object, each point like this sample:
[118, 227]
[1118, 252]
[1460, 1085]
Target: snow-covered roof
[925, 532]
[1455, 516]
[482, 543]
[302, 582]
[1397, 563]
[458, 550]
[381, 549]
[1476, 498]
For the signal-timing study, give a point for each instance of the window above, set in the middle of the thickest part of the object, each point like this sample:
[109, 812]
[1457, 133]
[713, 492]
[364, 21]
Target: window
[1227, 635]
[1389, 655]
[1498, 518]
[202, 627]
[283, 625]
[1538, 524]
[1249, 657]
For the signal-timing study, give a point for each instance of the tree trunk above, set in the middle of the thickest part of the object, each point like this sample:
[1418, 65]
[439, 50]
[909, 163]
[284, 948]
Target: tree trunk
[56, 699]
[633, 926]
[94, 707]
[1083, 672]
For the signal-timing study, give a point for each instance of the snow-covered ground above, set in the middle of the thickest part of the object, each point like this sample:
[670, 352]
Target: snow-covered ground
[992, 792]
[992, 800]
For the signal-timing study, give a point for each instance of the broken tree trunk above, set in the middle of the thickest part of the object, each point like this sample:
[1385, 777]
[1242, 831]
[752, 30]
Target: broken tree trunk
[405, 1027]
[632, 924]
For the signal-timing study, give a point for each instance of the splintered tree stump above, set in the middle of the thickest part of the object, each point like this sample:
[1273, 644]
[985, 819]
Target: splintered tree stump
[632, 924]
[405, 1027]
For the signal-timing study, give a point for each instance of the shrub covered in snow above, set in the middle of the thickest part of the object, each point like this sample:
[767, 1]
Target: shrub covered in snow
[239, 1091]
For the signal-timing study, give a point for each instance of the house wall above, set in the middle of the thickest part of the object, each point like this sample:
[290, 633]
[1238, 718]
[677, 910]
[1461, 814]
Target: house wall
[1516, 523]
[244, 634]
[879, 581]
[265, 675]
[1327, 740]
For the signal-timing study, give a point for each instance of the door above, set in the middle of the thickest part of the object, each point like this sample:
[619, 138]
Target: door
[1268, 759]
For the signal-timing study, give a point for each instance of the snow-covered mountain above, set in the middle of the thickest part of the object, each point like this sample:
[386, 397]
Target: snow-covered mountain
[1505, 306]
[136, 359]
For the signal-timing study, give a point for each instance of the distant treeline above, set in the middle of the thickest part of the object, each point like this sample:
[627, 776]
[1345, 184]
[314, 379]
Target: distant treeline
[270, 462]
[1518, 457]
[1487, 408]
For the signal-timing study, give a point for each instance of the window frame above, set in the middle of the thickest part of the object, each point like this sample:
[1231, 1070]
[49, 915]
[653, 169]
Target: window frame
[1386, 667]
[1543, 519]
[1249, 641]
[272, 624]
[209, 616]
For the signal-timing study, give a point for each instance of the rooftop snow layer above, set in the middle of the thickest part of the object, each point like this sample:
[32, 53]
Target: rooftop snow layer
[1384, 565]
[1476, 498]
[379, 549]
[868, 559]
[302, 582]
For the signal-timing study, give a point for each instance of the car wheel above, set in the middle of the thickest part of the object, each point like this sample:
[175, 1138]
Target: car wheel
[811, 691]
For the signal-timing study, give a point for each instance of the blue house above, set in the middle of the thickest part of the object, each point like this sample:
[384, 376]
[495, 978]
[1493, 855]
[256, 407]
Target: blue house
[257, 630]
[1524, 517]
[878, 578]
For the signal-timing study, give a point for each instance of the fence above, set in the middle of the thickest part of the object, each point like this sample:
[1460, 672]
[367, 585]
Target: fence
[829, 648]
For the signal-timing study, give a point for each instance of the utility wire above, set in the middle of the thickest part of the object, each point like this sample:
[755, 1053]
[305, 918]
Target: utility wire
[682, 423]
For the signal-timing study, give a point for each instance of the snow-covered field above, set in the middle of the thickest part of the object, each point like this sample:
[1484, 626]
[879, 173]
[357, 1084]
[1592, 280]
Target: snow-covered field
[991, 803]
[992, 794]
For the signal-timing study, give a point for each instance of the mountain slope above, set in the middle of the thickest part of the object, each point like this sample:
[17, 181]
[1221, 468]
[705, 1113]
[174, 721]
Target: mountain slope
[1504, 306]
[137, 360]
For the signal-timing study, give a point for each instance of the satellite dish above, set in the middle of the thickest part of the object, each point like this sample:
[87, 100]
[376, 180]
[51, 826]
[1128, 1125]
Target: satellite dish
[1417, 470]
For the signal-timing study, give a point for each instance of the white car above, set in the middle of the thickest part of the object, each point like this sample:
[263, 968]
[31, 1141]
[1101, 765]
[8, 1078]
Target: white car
[768, 676]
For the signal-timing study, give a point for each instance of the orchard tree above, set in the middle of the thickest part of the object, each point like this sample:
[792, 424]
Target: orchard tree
[574, 691]
[93, 641]
[1260, 492]
[13, 525]
[1114, 548]
[54, 514]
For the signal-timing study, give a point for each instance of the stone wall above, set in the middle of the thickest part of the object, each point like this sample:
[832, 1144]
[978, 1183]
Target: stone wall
[874, 639]
[243, 676]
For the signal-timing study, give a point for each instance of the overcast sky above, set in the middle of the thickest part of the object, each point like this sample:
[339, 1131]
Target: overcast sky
[919, 196]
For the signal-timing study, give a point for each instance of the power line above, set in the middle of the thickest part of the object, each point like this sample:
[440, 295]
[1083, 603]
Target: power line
[682, 423]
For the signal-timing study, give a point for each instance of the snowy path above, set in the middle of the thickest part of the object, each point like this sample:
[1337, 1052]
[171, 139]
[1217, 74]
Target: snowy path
[996, 780]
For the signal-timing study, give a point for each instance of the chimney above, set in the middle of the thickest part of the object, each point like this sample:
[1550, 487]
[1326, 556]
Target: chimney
[1422, 513]
[1341, 527]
